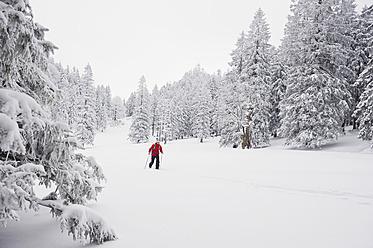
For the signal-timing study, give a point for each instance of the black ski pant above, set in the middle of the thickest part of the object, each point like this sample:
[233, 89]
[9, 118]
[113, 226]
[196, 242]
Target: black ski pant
[156, 162]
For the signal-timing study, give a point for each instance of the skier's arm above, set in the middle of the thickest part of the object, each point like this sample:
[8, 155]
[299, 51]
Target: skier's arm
[151, 148]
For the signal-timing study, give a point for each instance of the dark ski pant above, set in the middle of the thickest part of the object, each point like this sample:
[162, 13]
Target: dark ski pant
[156, 162]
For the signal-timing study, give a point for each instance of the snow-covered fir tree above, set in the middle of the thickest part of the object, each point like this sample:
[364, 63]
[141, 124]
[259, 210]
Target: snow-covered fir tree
[131, 104]
[33, 148]
[251, 78]
[257, 78]
[118, 111]
[86, 123]
[231, 126]
[166, 129]
[234, 97]
[202, 108]
[140, 127]
[215, 87]
[317, 97]
[154, 110]
[72, 96]
[102, 114]
[278, 89]
[364, 110]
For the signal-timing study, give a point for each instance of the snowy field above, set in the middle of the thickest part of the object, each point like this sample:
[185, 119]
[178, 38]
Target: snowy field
[210, 197]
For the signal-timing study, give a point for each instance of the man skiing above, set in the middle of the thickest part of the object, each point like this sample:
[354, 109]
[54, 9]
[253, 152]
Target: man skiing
[154, 150]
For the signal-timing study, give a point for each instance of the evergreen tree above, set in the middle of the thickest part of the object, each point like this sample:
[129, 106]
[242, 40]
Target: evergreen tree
[278, 89]
[215, 86]
[257, 79]
[101, 108]
[234, 97]
[202, 109]
[251, 78]
[131, 105]
[140, 127]
[317, 97]
[154, 111]
[117, 109]
[85, 130]
[364, 110]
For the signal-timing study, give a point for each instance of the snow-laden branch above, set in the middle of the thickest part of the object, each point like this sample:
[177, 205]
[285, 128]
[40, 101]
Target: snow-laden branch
[81, 222]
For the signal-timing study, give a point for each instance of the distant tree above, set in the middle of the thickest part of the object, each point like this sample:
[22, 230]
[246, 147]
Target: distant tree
[117, 109]
[102, 114]
[234, 97]
[202, 108]
[33, 148]
[131, 104]
[278, 89]
[215, 86]
[86, 124]
[140, 127]
[154, 111]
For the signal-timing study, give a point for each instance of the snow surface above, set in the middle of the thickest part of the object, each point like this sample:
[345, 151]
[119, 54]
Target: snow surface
[210, 197]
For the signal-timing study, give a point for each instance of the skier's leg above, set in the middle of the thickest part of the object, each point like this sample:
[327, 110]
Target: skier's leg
[157, 162]
[151, 161]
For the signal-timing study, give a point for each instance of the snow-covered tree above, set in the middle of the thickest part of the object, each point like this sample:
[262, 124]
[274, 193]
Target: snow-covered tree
[215, 86]
[278, 89]
[234, 97]
[250, 78]
[154, 111]
[317, 97]
[86, 124]
[117, 109]
[257, 78]
[33, 148]
[102, 114]
[202, 109]
[140, 127]
[364, 110]
[131, 104]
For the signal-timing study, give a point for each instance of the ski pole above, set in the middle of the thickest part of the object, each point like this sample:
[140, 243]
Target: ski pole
[146, 161]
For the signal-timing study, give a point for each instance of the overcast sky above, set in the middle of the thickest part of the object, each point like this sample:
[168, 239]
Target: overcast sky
[123, 40]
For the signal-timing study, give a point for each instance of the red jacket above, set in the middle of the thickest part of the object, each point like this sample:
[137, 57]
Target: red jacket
[155, 149]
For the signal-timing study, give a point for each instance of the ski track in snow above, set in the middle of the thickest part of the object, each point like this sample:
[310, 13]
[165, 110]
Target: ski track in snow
[365, 199]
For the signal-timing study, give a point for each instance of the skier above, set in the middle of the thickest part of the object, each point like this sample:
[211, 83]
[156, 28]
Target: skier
[154, 150]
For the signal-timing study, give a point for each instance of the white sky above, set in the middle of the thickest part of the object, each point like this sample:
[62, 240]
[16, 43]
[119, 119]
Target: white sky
[123, 40]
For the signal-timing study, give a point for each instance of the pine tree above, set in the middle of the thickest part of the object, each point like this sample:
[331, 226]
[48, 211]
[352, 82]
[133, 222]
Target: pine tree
[364, 110]
[140, 127]
[101, 109]
[202, 109]
[234, 97]
[154, 111]
[131, 104]
[117, 109]
[257, 79]
[317, 98]
[278, 89]
[85, 130]
[251, 78]
[215, 86]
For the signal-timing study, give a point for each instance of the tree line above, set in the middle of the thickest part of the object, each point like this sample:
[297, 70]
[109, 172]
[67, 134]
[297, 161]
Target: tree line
[317, 82]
